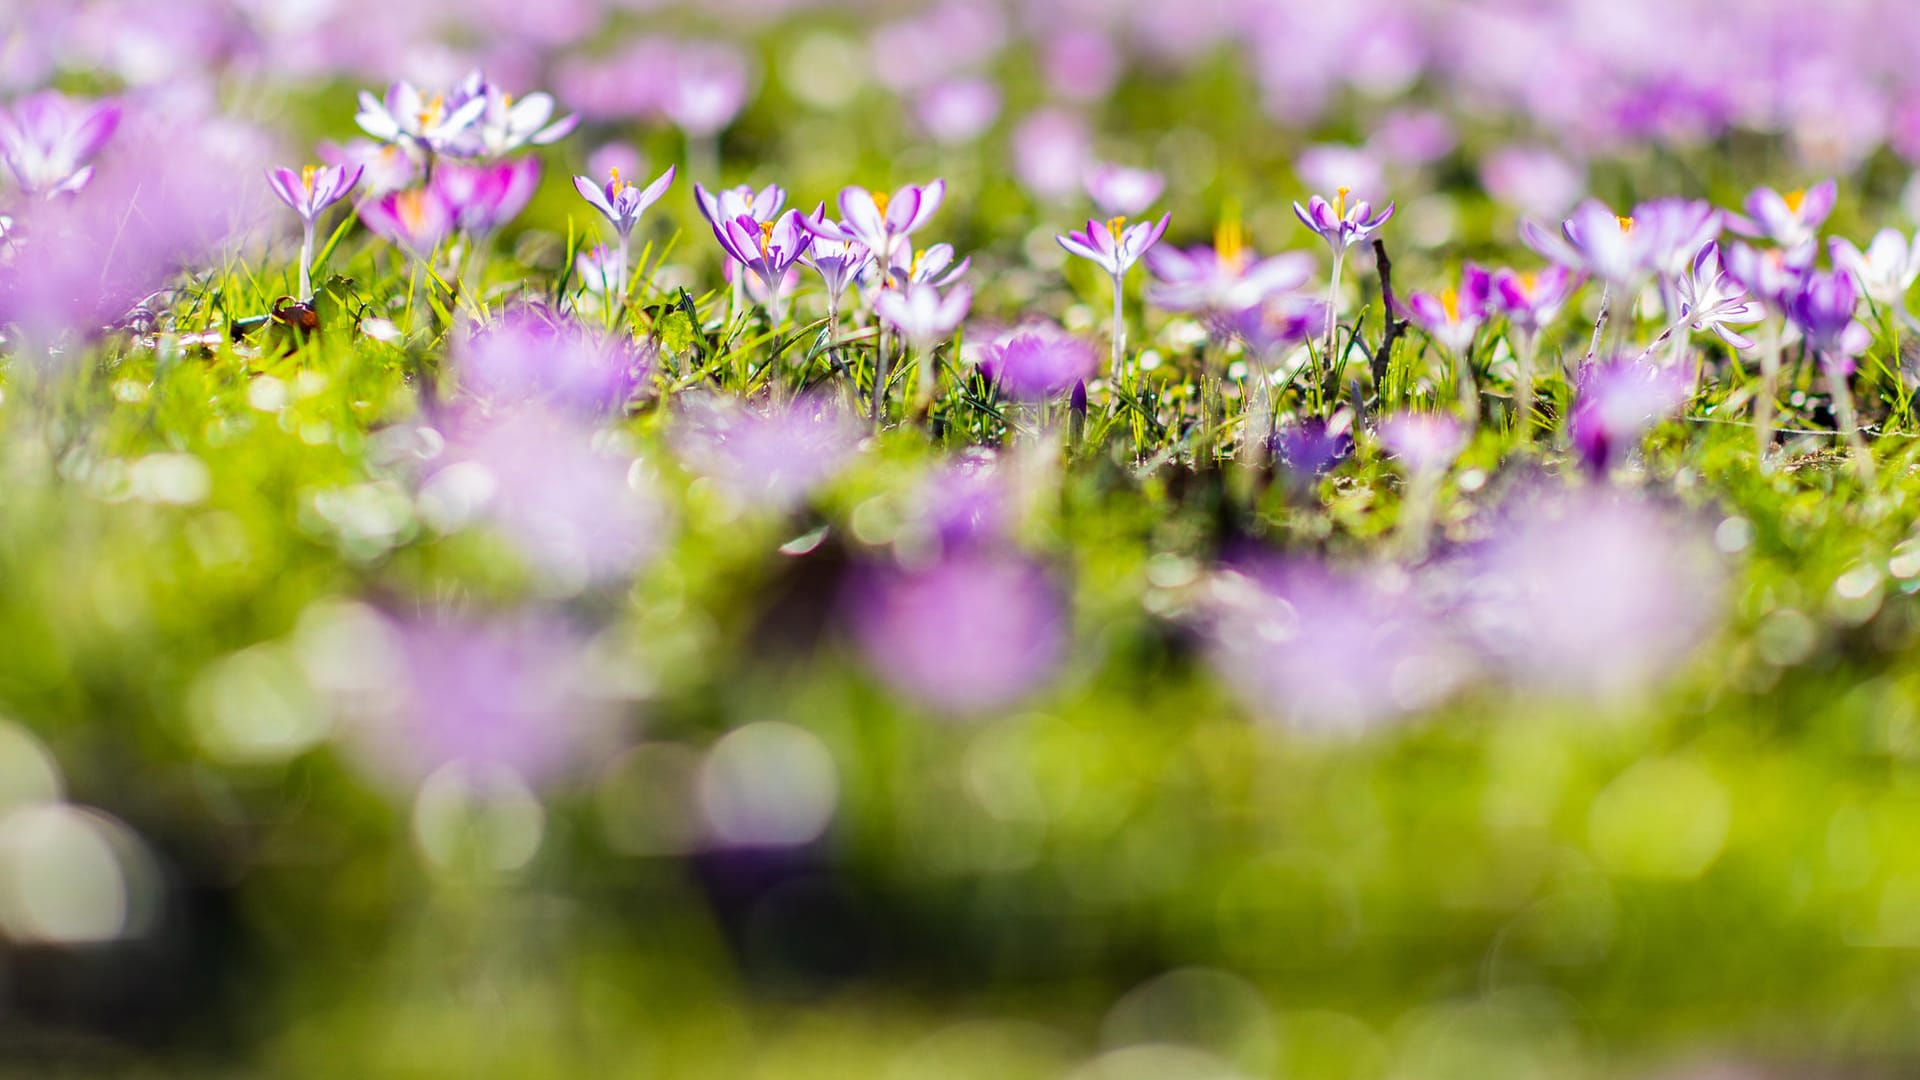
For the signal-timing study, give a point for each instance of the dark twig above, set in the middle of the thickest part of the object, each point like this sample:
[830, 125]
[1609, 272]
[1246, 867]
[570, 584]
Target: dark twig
[1395, 326]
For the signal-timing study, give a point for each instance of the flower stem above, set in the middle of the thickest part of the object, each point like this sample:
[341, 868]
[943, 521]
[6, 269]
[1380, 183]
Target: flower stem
[1849, 421]
[1333, 322]
[306, 263]
[1119, 331]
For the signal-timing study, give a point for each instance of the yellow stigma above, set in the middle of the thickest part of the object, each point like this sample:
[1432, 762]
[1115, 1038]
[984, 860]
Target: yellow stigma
[913, 268]
[431, 114]
[766, 237]
[1626, 224]
[1115, 225]
[880, 202]
[1794, 199]
[1340, 202]
[1230, 245]
[306, 178]
[506, 100]
[1450, 300]
[615, 182]
[1529, 283]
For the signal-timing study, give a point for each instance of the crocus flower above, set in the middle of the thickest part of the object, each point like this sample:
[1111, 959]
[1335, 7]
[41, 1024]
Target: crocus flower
[1039, 362]
[621, 202]
[1530, 300]
[1770, 275]
[309, 192]
[879, 221]
[1616, 402]
[768, 249]
[1595, 241]
[921, 315]
[1115, 246]
[973, 633]
[838, 262]
[1454, 316]
[1790, 220]
[1534, 180]
[1674, 230]
[1225, 278]
[1051, 149]
[1886, 270]
[49, 140]
[1340, 225]
[727, 204]
[928, 266]
[531, 353]
[406, 117]
[506, 123]
[1276, 324]
[1710, 299]
[706, 88]
[485, 197]
[417, 220]
[1822, 310]
[1120, 191]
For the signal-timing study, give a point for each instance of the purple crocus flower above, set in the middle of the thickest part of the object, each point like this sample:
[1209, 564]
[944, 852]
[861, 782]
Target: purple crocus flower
[620, 202]
[1038, 362]
[1115, 246]
[1224, 279]
[485, 197]
[727, 204]
[838, 262]
[1340, 225]
[1051, 149]
[972, 634]
[1674, 231]
[1615, 403]
[928, 266]
[1822, 310]
[1534, 180]
[1770, 275]
[921, 315]
[1597, 242]
[768, 249]
[602, 270]
[1120, 191]
[49, 140]
[1886, 270]
[1790, 220]
[418, 220]
[429, 125]
[1711, 300]
[1454, 316]
[309, 192]
[506, 123]
[1313, 446]
[879, 221]
[1276, 324]
[1532, 299]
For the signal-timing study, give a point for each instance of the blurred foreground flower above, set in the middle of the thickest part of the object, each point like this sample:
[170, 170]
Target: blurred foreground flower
[972, 634]
[1593, 592]
[1039, 362]
[1615, 403]
[49, 141]
[767, 458]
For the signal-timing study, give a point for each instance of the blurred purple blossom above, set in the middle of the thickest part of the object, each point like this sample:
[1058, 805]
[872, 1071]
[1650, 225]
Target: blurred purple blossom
[1051, 152]
[1224, 279]
[1039, 361]
[49, 140]
[1886, 270]
[419, 220]
[921, 315]
[1424, 442]
[958, 111]
[1616, 402]
[483, 198]
[1122, 191]
[1591, 593]
[1331, 167]
[1822, 310]
[532, 353]
[1454, 316]
[768, 457]
[505, 123]
[1533, 180]
[1530, 300]
[408, 118]
[971, 634]
[708, 86]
